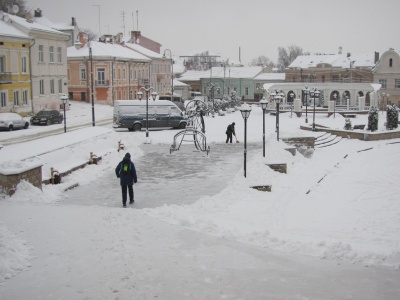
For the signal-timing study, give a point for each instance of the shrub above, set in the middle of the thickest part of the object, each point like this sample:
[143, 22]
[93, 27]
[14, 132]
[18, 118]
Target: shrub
[373, 118]
[392, 117]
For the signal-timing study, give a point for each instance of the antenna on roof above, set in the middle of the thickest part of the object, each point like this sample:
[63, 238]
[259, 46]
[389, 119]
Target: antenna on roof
[137, 20]
[123, 21]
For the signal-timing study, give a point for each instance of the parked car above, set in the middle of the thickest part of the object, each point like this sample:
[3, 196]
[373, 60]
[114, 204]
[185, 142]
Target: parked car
[47, 117]
[11, 121]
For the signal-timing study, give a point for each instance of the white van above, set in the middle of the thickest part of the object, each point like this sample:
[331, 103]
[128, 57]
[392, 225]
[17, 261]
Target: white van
[176, 99]
[131, 114]
[193, 95]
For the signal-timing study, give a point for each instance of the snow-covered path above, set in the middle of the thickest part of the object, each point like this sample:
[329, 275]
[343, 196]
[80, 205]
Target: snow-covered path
[179, 178]
[124, 254]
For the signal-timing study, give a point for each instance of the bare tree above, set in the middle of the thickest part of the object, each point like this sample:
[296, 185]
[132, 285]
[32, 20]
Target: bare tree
[262, 61]
[90, 34]
[7, 6]
[201, 61]
[287, 55]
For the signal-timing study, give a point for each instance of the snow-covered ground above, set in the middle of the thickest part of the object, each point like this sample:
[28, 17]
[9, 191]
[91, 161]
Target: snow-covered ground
[328, 230]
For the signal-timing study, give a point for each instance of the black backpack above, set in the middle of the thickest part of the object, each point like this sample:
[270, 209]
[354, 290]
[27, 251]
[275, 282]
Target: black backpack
[125, 168]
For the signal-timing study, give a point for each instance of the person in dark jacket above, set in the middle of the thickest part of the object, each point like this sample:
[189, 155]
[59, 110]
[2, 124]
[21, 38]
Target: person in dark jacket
[126, 172]
[229, 132]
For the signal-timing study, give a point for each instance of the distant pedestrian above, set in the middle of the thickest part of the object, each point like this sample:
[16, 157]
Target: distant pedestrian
[229, 132]
[127, 173]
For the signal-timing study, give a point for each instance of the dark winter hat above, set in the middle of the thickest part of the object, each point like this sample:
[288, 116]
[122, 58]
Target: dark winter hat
[233, 123]
[127, 155]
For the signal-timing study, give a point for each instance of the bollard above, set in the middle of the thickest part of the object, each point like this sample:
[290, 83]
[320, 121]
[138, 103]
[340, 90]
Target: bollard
[55, 176]
[92, 158]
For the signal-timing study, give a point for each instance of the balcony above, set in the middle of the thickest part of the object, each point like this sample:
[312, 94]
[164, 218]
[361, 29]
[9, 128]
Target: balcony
[5, 77]
[102, 82]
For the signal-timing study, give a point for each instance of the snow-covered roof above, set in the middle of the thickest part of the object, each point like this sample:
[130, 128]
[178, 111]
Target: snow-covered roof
[218, 72]
[105, 50]
[59, 26]
[34, 26]
[143, 50]
[336, 60]
[271, 76]
[179, 83]
[10, 31]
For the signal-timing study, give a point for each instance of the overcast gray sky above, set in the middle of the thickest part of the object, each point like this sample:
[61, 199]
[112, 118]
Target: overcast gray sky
[257, 27]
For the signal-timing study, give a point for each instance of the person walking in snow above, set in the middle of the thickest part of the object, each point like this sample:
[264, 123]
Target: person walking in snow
[229, 132]
[126, 172]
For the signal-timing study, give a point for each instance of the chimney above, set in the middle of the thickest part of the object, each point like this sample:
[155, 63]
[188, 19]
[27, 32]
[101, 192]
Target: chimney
[73, 23]
[376, 56]
[38, 13]
[135, 36]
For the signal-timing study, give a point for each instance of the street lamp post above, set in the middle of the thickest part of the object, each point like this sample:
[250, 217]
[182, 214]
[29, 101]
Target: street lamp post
[291, 104]
[78, 46]
[64, 100]
[245, 111]
[147, 89]
[172, 72]
[334, 104]
[314, 94]
[278, 97]
[212, 87]
[306, 92]
[263, 103]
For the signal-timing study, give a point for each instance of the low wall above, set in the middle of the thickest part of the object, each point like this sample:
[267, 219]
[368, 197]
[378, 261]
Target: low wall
[359, 135]
[11, 177]
[300, 141]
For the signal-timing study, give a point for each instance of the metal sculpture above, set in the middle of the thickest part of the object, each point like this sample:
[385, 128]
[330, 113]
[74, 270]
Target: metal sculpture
[195, 127]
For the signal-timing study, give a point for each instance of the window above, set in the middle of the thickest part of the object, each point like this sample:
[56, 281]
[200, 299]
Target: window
[25, 97]
[51, 52]
[59, 53]
[383, 83]
[3, 98]
[101, 76]
[397, 83]
[2, 63]
[124, 74]
[52, 86]
[246, 91]
[391, 62]
[16, 98]
[23, 64]
[41, 53]
[60, 86]
[83, 74]
[41, 87]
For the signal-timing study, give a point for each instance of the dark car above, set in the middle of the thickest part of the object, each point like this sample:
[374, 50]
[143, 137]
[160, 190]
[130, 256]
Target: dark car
[47, 117]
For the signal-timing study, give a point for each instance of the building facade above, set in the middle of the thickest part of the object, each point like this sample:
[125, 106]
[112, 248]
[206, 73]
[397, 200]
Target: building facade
[15, 72]
[112, 71]
[48, 63]
[340, 68]
[387, 74]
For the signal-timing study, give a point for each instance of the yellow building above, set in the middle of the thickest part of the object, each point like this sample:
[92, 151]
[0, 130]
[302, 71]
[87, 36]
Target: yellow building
[15, 74]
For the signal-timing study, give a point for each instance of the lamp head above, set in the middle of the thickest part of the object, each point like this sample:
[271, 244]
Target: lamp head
[263, 102]
[140, 95]
[245, 111]
[153, 95]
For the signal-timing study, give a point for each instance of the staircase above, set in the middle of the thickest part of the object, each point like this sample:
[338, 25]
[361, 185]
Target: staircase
[326, 140]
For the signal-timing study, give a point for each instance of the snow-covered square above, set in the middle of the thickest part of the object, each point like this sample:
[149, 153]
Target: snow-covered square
[329, 229]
